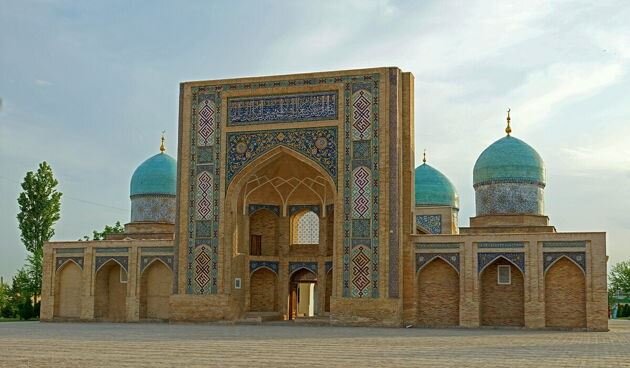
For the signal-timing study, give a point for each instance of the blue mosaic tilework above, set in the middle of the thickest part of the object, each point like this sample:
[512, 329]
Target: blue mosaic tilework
[422, 259]
[484, 259]
[318, 144]
[293, 209]
[431, 223]
[394, 190]
[60, 261]
[329, 266]
[578, 257]
[361, 228]
[501, 245]
[145, 261]
[282, 108]
[203, 229]
[153, 208]
[565, 244]
[256, 207]
[123, 261]
[144, 250]
[438, 245]
[294, 266]
[509, 198]
[205, 154]
[69, 250]
[256, 265]
[112, 250]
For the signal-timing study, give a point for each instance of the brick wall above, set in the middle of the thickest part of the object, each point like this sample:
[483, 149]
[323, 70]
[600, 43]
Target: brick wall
[438, 295]
[265, 223]
[502, 305]
[68, 291]
[263, 291]
[110, 294]
[565, 296]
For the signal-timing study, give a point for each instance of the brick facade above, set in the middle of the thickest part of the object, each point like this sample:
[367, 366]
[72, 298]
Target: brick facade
[438, 295]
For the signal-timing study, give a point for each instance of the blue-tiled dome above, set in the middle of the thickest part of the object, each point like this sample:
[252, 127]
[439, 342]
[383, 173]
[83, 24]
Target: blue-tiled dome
[509, 160]
[433, 188]
[156, 175]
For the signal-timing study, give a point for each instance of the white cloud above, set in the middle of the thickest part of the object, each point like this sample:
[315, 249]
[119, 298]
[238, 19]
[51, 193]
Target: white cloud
[41, 82]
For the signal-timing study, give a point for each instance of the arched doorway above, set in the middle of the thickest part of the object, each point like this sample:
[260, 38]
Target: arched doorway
[302, 294]
[565, 295]
[68, 291]
[110, 292]
[437, 295]
[263, 291]
[502, 294]
[155, 290]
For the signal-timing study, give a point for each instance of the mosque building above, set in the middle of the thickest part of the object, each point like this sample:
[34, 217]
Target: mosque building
[295, 197]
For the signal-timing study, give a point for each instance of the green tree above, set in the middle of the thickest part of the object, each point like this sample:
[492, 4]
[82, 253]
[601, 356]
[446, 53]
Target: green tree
[100, 235]
[619, 278]
[40, 207]
[21, 297]
[5, 301]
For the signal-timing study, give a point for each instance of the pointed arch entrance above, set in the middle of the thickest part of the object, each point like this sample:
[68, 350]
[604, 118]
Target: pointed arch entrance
[565, 295]
[303, 294]
[110, 292]
[68, 287]
[437, 294]
[156, 284]
[502, 294]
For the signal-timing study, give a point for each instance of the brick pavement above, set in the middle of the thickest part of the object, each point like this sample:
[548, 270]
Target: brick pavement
[33, 344]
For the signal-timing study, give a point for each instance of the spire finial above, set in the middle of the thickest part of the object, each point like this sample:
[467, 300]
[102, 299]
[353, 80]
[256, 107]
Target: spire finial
[424, 156]
[162, 148]
[508, 129]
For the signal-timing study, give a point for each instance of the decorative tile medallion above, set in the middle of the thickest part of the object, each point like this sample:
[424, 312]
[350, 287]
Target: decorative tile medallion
[60, 261]
[257, 265]
[145, 261]
[484, 259]
[430, 223]
[422, 259]
[251, 208]
[204, 195]
[123, 261]
[294, 266]
[207, 122]
[318, 144]
[550, 258]
[282, 108]
[361, 262]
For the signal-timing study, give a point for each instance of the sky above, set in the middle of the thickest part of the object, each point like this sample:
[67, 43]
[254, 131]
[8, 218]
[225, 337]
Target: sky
[88, 87]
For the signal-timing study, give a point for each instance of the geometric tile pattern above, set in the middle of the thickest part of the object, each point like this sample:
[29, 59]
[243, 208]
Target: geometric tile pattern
[145, 261]
[293, 209]
[319, 144]
[430, 223]
[509, 198]
[361, 187]
[422, 259]
[361, 280]
[282, 108]
[62, 260]
[202, 256]
[577, 257]
[361, 192]
[256, 265]
[438, 245]
[294, 266]
[207, 122]
[361, 115]
[123, 261]
[484, 259]
[307, 228]
[204, 196]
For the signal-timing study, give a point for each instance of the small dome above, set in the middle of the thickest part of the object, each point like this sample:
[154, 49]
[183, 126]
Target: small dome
[509, 160]
[156, 175]
[433, 188]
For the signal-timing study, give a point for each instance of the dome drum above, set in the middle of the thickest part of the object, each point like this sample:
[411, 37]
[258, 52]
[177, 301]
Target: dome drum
[153, 208]
[504, 198]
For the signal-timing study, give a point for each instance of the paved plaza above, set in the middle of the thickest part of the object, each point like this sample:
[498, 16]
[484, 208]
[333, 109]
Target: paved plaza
[33, 344]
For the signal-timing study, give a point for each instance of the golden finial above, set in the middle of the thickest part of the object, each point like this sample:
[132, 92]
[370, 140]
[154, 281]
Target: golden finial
[162, 148]
[424, 156]
[508, 129]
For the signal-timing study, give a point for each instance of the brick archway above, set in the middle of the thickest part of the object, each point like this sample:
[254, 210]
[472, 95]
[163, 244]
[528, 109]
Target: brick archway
[565, 295]
[502, 305]
[437, 294]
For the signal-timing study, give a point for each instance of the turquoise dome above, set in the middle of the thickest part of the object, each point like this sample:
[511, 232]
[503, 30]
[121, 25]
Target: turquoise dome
[433, 188]
[509, 160]
[156, 175]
